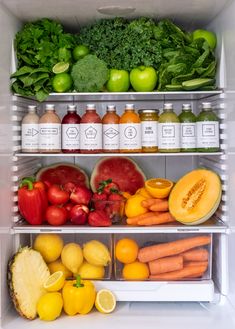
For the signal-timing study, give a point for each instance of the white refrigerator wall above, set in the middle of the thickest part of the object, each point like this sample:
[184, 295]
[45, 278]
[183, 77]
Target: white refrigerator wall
[8, 26]
[224, 26]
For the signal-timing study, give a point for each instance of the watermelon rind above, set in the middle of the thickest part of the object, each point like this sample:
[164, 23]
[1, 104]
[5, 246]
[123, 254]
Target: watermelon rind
[96, 169]
[55, 165]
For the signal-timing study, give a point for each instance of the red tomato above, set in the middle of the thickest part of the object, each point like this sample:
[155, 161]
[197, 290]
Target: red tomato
[56, 195]
[56, 216]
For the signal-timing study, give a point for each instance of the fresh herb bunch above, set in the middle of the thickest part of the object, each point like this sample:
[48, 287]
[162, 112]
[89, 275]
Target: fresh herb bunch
[39, 46]
[90, 74]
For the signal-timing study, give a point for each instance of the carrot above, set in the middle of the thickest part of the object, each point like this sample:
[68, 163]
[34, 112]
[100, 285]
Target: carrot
[199, 254]
[162, 218]
[203, 263]
[147, 254]
[186, 272]
[133, 220]
[160, 206]
[166, 264]
[150, 202]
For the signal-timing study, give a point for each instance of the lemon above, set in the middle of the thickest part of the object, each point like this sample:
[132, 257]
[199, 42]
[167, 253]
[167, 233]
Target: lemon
[57, 265]
[105, 301]
[96, 253]
[55, 282]
[142, 191]
[62, 82]
[135, 271]
[49, 246]
[72, 256]
[133, 206]
[89, 271]
[159, 187]
[60, 67]
[49, 306]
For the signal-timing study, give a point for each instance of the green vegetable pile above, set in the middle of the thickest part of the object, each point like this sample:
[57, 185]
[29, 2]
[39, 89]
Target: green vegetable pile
[39, 46]
[113, 44]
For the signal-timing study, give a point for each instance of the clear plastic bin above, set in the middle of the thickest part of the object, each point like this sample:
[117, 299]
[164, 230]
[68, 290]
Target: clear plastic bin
[157, 268]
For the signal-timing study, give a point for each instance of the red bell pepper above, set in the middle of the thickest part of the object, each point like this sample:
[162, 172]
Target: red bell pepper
[32, 201]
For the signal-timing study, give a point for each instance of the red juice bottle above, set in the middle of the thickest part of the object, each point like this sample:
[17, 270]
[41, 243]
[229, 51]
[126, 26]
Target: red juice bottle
[71, 131]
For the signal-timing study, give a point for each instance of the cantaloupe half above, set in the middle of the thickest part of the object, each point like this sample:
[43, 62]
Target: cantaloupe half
[195, 197]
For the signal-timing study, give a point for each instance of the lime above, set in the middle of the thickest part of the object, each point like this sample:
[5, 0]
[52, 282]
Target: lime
[80, 51]
[62, 82]
[60, 67]
[209, 36]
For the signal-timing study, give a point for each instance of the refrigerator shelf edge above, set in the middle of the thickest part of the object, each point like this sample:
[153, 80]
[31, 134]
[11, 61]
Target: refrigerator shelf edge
[214, 226]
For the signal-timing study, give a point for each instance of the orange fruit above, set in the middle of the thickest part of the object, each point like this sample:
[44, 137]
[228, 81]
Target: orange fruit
[126, 250]
[135, 271]
[159, 187]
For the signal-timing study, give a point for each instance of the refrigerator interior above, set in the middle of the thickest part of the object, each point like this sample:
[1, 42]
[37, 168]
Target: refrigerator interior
[215, 15]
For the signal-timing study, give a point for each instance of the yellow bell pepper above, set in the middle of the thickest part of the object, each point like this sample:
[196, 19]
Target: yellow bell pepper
[79, 296]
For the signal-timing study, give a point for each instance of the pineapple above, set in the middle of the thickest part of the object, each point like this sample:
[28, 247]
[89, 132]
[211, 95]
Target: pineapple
[27, 272]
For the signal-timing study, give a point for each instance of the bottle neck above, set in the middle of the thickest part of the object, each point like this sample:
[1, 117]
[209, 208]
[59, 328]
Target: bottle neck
[168, 110]
[50, 111]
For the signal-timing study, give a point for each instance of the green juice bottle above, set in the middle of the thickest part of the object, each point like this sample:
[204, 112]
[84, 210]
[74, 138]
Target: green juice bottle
[168, 130]
[187, 129]
[207, 130]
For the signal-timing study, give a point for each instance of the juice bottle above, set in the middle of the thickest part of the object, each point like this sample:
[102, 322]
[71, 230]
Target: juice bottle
[70, 131]
[149, 125]
[90, 131]
[187, 129]
[130, 130]
[110, 123]
[50, 131]
[168, 130]
[30, 131]
[207, 130]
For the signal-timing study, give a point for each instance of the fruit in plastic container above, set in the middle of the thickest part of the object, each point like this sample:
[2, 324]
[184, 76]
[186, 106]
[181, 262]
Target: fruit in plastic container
[89, 271]
[57, 265]
[126, 250]
[49, 246]
[135, 271]
[72, 256]
[96, 253]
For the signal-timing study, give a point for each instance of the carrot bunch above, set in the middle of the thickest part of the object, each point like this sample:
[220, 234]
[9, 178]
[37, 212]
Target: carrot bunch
[157, 213]
[177, 260]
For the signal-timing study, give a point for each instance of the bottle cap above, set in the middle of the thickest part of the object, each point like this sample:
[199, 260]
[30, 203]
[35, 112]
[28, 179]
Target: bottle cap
[186, 107]
[111, 108]
[206, 106]
[90, 107]
[130, 106]
[32, 108]
[72, 108]
[168, 106]
[50, 106]
[148, 111]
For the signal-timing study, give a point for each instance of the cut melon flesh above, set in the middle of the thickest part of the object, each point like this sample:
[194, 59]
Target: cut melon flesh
[195, 197]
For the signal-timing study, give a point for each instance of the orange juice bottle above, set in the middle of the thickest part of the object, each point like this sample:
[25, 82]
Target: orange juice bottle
[130, 130]
[110, 123]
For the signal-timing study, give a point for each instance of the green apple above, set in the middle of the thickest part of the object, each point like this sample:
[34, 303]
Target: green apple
[143, 78]
[209, 36]
[119, 81]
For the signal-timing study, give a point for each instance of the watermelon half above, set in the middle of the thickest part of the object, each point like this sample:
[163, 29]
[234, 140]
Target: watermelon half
[123, 171]
[61, 173]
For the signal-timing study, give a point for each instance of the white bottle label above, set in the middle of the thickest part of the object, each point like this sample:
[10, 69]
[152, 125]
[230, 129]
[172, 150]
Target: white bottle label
[70, 136]
[207, 134]
[188, 135]
[110, 136]
[49, 136]
[149, 133]
[90, 136]
[130, 136]
[30, 136]
[169, 135]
